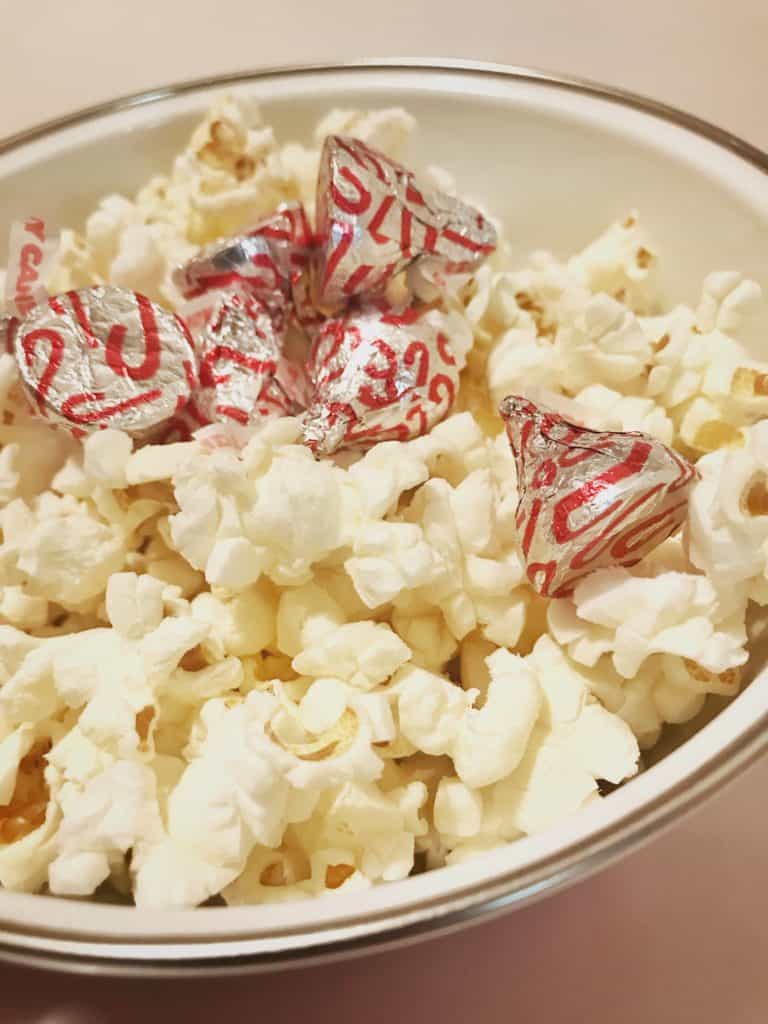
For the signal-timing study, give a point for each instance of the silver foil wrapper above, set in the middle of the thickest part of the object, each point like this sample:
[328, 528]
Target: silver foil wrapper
[239, 340]
[374, 219]
[589, 499]
[265, 259]
[105, 357]
[240, 307]
[378, 375]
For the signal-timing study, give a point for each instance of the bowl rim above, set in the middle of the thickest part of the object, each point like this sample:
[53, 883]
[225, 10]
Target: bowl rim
[574, 83]
[566, 863]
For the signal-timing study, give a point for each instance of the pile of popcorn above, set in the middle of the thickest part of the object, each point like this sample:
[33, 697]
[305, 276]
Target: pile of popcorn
[230, 669]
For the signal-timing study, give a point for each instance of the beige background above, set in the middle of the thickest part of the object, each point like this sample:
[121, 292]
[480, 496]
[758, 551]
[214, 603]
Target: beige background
[707, 56]
[675, 933]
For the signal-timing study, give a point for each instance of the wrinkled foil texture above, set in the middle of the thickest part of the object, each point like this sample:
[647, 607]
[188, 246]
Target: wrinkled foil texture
[240, 342]
[374, 220]
[265, 259]
[239, 293]
[105, 357]
[589, 499]
[378, 375]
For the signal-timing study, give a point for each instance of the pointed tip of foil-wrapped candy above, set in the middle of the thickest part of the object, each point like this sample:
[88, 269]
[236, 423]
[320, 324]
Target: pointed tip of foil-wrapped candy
[517, 411]
[379, 374]
[322, 431]
[264, 258]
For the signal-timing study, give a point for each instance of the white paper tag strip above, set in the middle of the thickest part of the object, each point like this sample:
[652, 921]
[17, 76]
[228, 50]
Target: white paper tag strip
[31, 253]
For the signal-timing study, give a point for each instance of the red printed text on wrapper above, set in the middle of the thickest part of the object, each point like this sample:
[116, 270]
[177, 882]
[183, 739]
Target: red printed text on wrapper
[239, 292]
[31, 252]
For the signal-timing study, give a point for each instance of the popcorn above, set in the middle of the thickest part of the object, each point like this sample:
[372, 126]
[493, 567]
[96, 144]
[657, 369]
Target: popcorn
[61, 550]
[231, 795]
[430, 641]
[134, 604]
[101, 821]
[304, 616]
[633, 617]
[20, 609]
[388, 130]
[621, 263]
[322, 705]
[9, 477]
[245, 624]
[430, 709]
[371, 826]
[385, 472]
[485, 744]
[458, 809]
[548, 787]
[605, 343]
[602, 408]
[520, 361]
[363, 654]
[729, 516]
[727, 299]
[230, 669]
[700, 370]
[390, 558]
[12, 749]
[24, 862]
[493, 739]
[105, 457]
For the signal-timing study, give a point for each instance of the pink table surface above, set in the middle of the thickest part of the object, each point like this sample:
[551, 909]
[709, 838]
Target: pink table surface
[673, 933]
